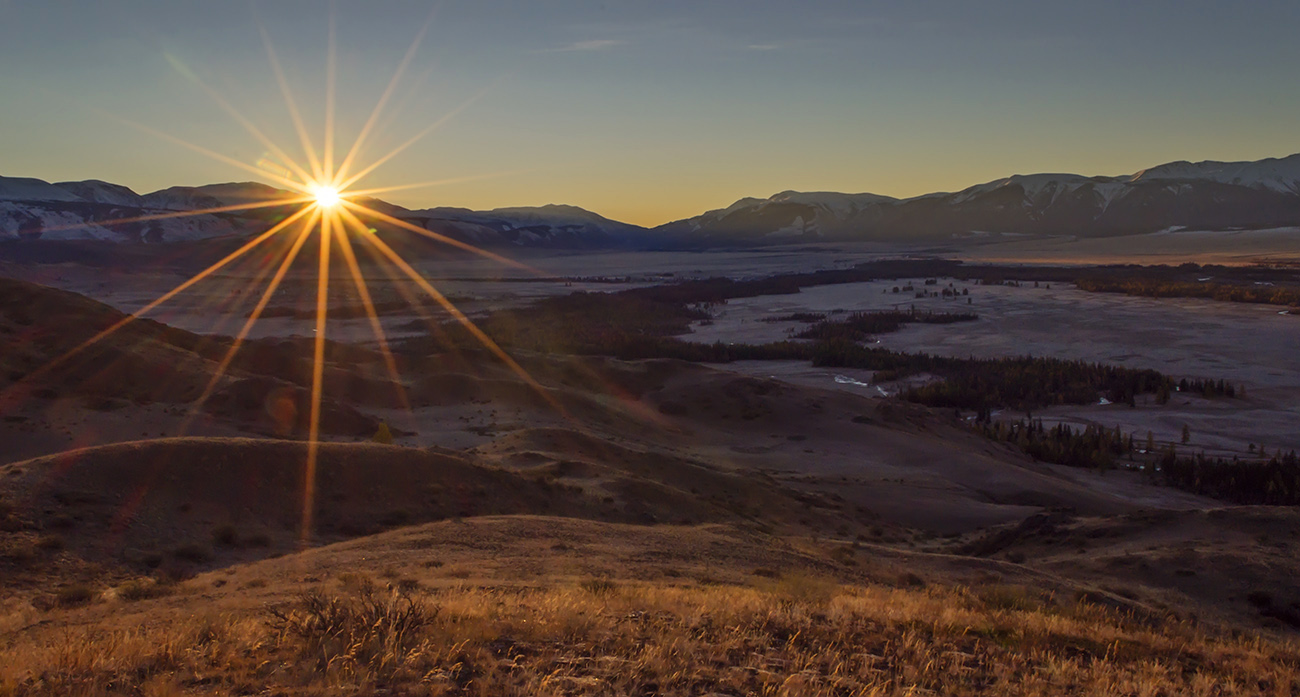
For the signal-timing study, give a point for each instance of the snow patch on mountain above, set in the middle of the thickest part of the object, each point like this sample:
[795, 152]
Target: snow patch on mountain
[1043, 189]
[73, 221]
[102, 192]
[550, 225]
[1274, 174]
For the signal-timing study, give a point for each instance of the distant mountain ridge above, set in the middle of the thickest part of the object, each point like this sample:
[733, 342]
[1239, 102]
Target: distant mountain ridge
[34, 209]
[1206, 195]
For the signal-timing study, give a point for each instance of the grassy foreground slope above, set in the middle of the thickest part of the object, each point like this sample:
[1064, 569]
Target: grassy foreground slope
[548, 606]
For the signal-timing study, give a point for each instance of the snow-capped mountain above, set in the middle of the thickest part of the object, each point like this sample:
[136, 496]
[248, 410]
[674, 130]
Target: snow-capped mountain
[1201, 195]
[1273, 174]
[95, 210]
[787, 215]
[190, 198]
[1204, 195]
[24, 189]
[32, 209]
[543, 226]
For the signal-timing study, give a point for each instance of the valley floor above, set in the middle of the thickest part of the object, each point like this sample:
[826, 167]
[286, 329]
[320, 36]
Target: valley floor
[611, 527]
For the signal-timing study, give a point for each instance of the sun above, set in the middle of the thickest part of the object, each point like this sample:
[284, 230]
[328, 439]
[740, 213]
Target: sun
[327, 196]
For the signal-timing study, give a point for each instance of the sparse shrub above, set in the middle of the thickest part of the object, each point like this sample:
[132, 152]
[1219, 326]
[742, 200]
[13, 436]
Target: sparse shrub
[805, 588]
[383, 435]
[1260, 599]
[74, 595]
[19, 551]
[356, 583]
[50, 543]
[142, 589]
[844, 555]
[396, 518]
[367, 629]
[354, 529]
[256, 583]
[192, 553]
[225, 536]
[766, 572]
[408, 585]
[673, 409]
[599, 586]
[10, 522]
[1001, 596]
[912, 580]
[260, 539]
[1016, 557]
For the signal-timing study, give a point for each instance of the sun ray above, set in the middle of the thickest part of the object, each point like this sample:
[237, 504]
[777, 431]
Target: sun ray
[303, 136]
[440, 238]
[159, 301]
[255, 315]
[187, 214]
[232, 292]
[331, 75]
[460, 317]
[239, 118]
[432, 183]
[346, 183]
[415, 88]
[317, 377]
[358, 279]
[383, 101]
[399, 282]
[284, 181]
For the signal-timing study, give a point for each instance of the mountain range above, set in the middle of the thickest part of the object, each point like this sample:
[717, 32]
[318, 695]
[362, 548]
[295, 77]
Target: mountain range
[1179, 195]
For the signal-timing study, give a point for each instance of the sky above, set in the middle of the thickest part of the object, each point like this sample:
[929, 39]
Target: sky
[648, 112]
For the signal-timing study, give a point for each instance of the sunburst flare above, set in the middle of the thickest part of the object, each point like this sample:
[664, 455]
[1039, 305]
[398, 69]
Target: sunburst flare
[323, 203]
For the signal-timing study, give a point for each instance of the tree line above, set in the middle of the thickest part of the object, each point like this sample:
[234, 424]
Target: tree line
[641, 324]
[859, 325]
[1261, 480]
[1226, 292]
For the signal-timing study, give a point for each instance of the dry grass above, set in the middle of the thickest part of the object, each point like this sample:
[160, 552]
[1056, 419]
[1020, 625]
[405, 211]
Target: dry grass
[791, 636]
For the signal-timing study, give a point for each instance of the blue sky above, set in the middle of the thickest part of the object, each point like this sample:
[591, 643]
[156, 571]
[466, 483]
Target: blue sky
[652, 111]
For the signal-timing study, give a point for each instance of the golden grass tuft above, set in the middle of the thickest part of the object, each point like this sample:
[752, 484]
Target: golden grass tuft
[798, 636]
